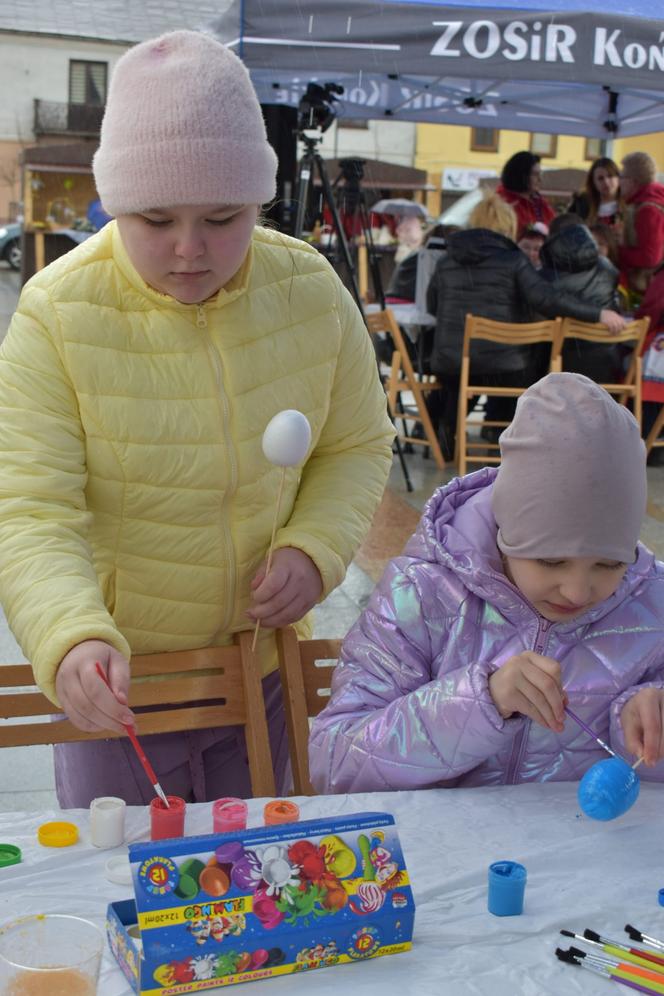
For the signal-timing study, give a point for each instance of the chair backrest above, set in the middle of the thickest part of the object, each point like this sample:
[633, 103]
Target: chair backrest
[195, 689]
[306, 669]
[634, 333]
[508, 334]
[514, 334]
[629, 388]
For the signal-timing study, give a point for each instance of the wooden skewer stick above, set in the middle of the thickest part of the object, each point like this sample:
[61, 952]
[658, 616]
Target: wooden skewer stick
[636, 764]
[271, 550]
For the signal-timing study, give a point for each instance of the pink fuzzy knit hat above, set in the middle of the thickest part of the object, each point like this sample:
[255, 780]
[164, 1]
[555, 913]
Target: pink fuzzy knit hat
[572, 481]
[182, 126]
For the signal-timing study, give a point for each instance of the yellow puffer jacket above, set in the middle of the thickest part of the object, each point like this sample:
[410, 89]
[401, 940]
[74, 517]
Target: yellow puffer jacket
[135, 500]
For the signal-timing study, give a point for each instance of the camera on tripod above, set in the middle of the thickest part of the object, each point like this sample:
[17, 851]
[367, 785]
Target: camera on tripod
[315, 109]
[347, 210]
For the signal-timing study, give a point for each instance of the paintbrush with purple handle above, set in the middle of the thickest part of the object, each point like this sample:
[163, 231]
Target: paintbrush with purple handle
[591, 733]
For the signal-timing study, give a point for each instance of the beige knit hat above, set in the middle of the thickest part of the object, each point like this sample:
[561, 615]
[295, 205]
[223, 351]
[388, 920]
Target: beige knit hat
[182, 126]
[572, 478]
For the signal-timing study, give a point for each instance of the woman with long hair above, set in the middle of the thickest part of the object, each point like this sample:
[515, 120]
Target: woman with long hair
[600, 201]
[519, 186]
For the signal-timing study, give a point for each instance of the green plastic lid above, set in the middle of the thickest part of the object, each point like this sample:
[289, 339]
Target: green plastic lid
[187, 887]
[10, 854]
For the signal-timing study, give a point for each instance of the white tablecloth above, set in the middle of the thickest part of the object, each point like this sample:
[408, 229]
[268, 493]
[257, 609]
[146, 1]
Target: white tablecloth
[580, 874]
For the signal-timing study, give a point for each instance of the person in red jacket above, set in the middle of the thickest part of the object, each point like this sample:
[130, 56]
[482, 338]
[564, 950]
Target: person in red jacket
[519, 185]
[652, 385]
[642, 244]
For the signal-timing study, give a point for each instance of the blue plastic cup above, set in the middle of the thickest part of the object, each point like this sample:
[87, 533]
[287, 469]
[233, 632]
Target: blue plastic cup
[507, 885]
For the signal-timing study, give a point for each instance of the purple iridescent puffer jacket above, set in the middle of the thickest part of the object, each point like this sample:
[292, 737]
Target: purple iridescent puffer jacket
[410, 704]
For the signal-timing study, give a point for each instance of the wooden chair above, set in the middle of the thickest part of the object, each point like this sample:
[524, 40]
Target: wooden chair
[652, 439]
[508, 334]
[305, 668]
[403, 378]
[634, 333]
[185, 697]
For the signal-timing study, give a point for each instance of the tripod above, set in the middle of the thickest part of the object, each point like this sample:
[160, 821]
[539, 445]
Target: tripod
[356, 209]
[352, 170]
[312, 160]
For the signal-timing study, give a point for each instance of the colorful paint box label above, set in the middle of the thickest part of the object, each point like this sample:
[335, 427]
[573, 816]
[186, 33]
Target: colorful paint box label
[283, 899]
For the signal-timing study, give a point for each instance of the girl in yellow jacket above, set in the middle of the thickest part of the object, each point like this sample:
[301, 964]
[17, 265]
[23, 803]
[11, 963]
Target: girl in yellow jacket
[136, 380]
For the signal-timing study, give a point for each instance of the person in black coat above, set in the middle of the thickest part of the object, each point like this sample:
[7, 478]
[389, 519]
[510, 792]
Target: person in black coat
[572, 263]
[485, 273]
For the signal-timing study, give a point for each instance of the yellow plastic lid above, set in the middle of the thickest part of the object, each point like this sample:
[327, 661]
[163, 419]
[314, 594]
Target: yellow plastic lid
[57, 834]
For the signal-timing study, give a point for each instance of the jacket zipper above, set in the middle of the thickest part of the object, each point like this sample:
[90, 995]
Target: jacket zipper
[222, 400]
[519, 745]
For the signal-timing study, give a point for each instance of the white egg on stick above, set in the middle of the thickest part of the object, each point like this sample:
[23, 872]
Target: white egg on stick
[286, 442]
[287, 438]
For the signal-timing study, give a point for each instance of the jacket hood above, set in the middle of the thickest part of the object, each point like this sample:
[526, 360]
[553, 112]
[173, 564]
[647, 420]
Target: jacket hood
[571, 250]
[652, 192]
[476, 244]
[458, 531]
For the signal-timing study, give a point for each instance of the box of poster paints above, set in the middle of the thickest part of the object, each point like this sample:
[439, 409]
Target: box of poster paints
[215, 910]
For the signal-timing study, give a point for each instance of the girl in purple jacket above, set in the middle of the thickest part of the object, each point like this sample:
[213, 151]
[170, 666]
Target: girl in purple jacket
[522, 590]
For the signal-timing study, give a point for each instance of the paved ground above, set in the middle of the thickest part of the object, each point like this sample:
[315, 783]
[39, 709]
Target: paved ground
[27, 781]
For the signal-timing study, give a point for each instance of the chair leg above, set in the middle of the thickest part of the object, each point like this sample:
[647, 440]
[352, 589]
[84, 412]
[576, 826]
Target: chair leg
[429, 430]
[295, 705]
[655, 431]
[256, 732]
[460, 447]
[638, 410]
[412, 384]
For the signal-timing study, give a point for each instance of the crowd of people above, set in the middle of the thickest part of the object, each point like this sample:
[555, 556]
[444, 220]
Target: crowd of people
[518, 260]
[137, 504]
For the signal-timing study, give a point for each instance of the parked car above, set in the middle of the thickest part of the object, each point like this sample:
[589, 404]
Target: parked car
[10, 245]
[458, 214]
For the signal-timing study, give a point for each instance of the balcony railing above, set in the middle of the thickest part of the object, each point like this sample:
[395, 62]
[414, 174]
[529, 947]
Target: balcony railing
[57, 118]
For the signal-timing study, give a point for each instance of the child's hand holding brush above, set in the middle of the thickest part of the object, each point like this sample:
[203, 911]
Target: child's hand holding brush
[90, 704]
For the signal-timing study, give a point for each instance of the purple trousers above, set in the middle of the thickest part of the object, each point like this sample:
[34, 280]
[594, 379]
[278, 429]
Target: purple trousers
[198, 766]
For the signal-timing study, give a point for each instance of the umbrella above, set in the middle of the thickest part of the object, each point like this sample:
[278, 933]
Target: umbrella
[401, 207]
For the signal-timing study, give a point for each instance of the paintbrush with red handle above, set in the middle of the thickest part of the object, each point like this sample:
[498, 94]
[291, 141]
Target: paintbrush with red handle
[147, 767]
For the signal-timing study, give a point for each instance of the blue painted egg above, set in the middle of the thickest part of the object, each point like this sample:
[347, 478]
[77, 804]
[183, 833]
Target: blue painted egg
[608, 789]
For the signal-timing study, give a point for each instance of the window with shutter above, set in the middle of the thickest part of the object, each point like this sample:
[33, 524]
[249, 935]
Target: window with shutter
[87, 82]
[543, 145]
[484, 139]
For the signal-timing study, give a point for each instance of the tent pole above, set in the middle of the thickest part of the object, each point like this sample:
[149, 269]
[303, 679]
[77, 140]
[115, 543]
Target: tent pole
[611, 125]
